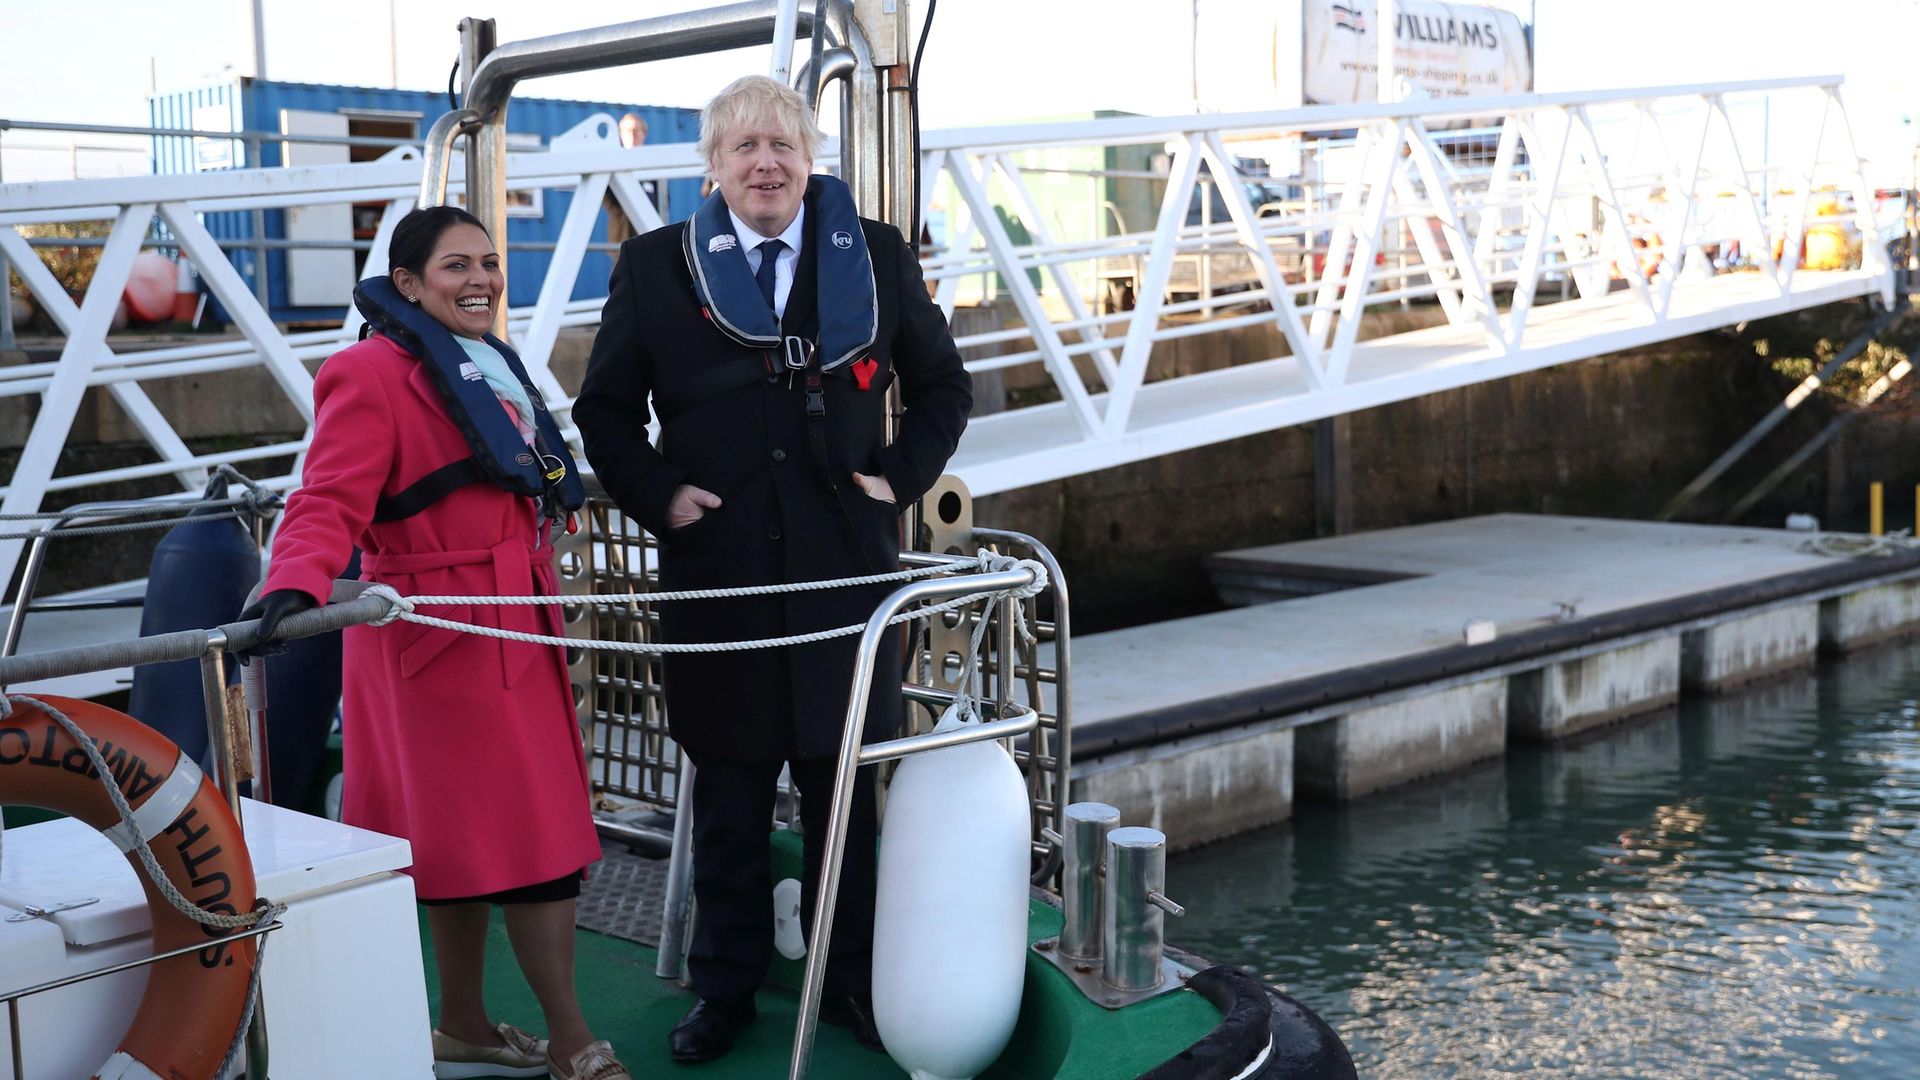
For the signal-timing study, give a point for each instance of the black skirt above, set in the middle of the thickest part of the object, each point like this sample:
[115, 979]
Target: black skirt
[564, 887]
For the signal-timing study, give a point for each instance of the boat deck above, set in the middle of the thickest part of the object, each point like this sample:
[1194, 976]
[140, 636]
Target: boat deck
[628, 1005]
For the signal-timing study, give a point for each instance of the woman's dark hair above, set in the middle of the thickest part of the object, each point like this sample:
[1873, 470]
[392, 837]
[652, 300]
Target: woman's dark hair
[417, 234]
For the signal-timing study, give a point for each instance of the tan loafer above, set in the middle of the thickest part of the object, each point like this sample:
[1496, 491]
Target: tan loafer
[457, 1059]
[595, 1061]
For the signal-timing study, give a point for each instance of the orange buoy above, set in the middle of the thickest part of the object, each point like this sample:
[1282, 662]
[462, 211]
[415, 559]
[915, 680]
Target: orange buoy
[150, 287]
[194, 1003]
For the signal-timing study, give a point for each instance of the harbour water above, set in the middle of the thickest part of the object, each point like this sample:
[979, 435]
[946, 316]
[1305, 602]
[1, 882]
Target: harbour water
[1730, 888]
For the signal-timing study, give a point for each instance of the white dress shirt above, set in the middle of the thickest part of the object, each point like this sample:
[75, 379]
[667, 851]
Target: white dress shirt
[790, 258]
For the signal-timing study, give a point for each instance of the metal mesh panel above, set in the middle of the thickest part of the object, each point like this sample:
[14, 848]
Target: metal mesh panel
[622, 715]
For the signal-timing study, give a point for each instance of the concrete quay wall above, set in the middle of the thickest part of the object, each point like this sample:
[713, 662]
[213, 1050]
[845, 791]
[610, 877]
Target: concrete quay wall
[1572, 696]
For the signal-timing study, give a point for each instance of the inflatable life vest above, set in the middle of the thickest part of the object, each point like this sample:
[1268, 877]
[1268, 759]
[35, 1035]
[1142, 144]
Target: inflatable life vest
[500, 456]
[194, 1003]
[848, 308]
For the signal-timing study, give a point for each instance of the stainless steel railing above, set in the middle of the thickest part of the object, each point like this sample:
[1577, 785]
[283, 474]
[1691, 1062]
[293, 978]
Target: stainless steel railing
[1023, 721]
[12, 997]
[637, 772]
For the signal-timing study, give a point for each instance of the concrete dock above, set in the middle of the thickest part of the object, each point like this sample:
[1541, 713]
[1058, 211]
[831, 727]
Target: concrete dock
[1362, 662]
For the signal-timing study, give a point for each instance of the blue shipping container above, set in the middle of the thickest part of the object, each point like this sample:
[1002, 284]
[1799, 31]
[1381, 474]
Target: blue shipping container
[267, 107]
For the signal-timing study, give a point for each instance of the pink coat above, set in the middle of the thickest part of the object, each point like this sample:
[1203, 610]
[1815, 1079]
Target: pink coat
[466, 746]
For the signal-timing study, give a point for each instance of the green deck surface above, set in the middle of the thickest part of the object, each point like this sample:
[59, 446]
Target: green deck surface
[1060, 1033]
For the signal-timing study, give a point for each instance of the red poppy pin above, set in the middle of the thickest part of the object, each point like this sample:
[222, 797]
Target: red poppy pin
[863, 370]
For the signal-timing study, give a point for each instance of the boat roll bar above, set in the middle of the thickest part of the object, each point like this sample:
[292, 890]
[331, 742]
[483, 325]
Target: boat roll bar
[493, 72]
[436, 153]
[852, 755]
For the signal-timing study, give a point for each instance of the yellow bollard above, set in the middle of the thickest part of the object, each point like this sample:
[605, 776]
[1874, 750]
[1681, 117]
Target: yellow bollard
[1876, 503]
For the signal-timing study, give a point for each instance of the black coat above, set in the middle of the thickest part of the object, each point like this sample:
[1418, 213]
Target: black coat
[779, 521]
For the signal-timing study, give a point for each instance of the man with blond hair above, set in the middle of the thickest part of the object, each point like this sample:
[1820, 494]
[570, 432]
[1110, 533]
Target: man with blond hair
[764, 332]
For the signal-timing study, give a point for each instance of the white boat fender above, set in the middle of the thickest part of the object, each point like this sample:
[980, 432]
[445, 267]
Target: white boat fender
[789, 940]
[950, 918]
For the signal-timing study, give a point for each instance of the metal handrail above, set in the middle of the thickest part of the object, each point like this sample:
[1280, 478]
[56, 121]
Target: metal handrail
[37, 557]
[348, 607]
[436, 153]
[30, 580]
[1148, 129]
[1062, 684]
[12, 997]
[383, 141]
[852, 756]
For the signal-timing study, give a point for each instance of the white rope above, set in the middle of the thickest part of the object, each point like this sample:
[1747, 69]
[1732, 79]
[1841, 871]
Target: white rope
[609, 599]
[402, 608]
[1855, 546]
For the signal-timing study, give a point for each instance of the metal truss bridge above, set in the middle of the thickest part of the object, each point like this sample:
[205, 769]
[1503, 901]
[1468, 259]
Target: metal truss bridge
[1545, 229]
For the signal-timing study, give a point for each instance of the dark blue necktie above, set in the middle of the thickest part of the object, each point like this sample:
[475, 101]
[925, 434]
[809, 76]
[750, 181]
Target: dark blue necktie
[769, 255]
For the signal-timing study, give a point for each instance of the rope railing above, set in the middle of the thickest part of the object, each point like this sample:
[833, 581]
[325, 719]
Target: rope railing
[986, 562]
[357, 603]
[53, 531]
[256, 501]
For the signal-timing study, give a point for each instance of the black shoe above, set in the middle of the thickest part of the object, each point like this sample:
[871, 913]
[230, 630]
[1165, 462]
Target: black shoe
[708, 1030]
[854, 1012]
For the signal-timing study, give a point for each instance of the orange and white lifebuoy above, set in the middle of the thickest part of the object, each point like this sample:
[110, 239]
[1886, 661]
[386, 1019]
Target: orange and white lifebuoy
[194, 1003]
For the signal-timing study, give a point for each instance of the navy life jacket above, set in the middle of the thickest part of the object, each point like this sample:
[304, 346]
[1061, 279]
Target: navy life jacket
[849, 311]
[500, 457]
[847, 304]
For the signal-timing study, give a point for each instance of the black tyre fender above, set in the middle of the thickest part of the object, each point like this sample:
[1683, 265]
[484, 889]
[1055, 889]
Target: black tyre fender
[1255, 1022]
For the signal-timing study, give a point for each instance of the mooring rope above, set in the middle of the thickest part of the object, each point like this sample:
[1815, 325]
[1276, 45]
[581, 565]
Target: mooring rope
[402, 608]
[132, 508]
[127, 526]
[1855, 546]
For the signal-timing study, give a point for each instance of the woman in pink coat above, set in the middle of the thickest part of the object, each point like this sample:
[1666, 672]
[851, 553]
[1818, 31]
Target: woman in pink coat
[467, 746]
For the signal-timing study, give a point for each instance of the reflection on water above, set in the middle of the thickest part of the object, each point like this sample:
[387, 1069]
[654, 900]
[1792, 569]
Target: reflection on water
[1728, 889]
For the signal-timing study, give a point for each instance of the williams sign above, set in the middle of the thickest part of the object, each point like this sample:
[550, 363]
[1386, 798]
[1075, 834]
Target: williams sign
[1447, 50]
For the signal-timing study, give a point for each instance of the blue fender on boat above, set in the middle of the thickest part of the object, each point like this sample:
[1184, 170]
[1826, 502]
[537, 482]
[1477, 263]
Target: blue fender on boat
[303, 693]
[201, 573]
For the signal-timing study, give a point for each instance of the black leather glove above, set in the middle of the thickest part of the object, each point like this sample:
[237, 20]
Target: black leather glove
[270, 609]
